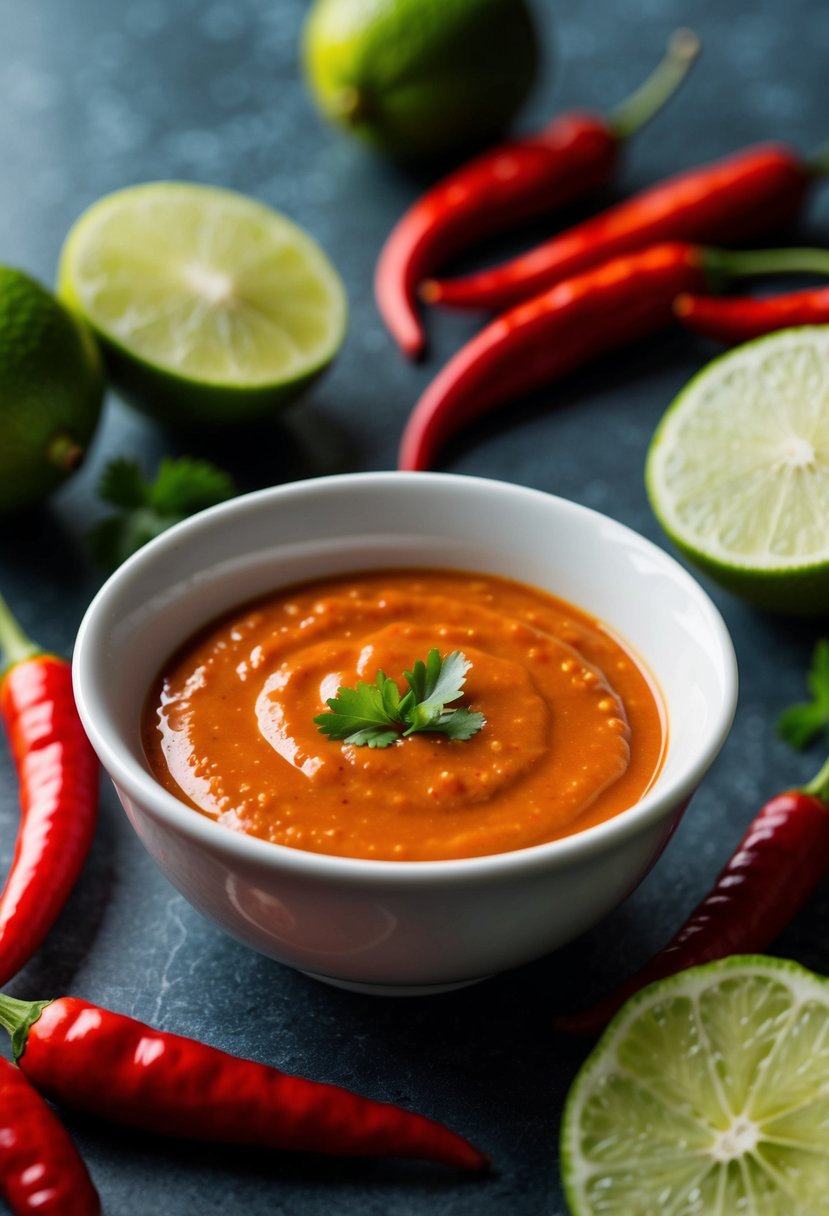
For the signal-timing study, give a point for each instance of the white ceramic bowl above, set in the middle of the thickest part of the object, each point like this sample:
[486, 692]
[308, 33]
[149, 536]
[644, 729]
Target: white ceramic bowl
[384, 926]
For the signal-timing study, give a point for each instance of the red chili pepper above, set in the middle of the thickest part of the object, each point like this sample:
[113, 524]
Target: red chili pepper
[41, 1171]
[58, 775]
[740, 318]
[623, 300]
[750, 193]
[110, 1065]
[514, 181]
[777, 865]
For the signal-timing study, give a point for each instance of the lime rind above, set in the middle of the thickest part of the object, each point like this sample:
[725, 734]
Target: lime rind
[208, 304]
[420, 78]
[708, 1094]
[738, 470]
[51, 390]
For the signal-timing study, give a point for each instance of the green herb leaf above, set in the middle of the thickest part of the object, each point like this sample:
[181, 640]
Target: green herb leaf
[375, 715]
[439, 680]
[800, 724]
[360, 715]
[147, 508]
[184, 486]
[122, 484]
[460, 723]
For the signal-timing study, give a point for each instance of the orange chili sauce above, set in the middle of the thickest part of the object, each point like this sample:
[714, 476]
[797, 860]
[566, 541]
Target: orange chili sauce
[575, 729]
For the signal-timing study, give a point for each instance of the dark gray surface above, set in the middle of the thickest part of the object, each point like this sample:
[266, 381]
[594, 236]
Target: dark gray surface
[97, 95]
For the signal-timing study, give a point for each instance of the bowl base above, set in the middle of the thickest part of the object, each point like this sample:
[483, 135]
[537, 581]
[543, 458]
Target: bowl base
[393, 989]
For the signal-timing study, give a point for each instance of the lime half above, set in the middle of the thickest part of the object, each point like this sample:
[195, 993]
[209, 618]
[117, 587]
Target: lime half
[210, 306]
[708, 1095]
[738, 470]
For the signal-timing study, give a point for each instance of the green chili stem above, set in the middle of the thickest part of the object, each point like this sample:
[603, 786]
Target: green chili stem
[818, 787]
[642, 105]
[722, 265]
[18, 1017]
[15, 645]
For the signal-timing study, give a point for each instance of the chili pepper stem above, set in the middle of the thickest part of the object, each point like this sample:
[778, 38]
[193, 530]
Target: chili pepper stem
[722, 265]
[818, 787]
[643, 104]
[15, 645]
[18, 1017]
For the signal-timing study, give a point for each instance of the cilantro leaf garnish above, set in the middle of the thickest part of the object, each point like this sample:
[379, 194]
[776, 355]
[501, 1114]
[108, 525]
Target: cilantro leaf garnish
[375, 715]
[800, 724]
[146, 508]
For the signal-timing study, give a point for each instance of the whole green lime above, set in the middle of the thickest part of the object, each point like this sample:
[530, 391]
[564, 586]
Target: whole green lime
[418, 78]
[51, 390]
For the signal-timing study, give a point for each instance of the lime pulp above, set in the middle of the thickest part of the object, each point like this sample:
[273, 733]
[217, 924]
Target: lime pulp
[708, 1095]
[738, 470]
[210, 306]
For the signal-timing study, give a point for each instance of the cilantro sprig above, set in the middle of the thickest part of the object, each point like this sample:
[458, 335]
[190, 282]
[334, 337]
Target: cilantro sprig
[145, 508]
[376, 715]
[800, 724]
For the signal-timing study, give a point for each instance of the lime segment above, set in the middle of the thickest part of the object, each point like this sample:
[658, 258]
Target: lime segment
[209, 305]
[708, 1095]
[738, 470]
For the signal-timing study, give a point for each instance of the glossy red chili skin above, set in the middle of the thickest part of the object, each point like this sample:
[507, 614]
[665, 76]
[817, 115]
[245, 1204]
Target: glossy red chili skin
[621, 301]
[41, 1171]
[753, 192]
[58, 780]
[776, 866]
[114, 1066]
[515, 181]
[740, 318]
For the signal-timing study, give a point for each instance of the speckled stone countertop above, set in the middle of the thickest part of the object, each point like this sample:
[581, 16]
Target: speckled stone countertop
[97, 95]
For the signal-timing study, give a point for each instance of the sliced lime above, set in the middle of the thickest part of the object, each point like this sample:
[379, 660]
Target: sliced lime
[210, 306]
[738, 470]
[708, 1095]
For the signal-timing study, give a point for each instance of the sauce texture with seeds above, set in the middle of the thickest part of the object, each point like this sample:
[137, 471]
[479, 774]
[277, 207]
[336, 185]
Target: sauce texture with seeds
[575, 729]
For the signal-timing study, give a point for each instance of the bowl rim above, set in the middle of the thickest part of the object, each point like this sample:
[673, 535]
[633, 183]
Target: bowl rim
[142, 788]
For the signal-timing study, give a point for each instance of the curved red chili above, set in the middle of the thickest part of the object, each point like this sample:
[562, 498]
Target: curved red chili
[113, 1066]
[41, 1171]
[514, 181]
[58, 775]
[745, 195]
[623, 300]
[740, 318]
[776, 866]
